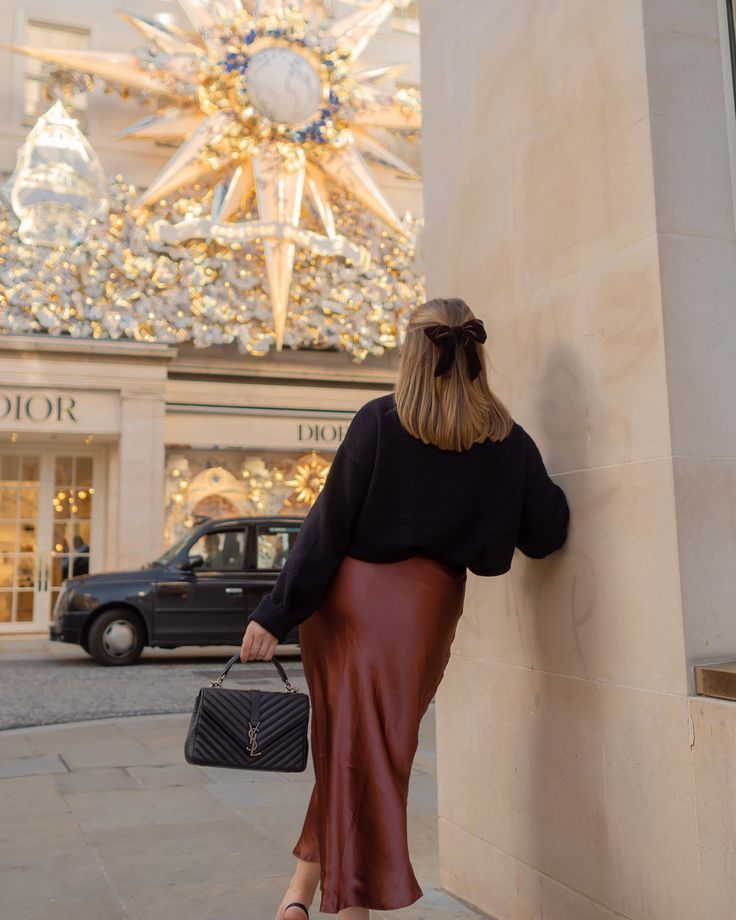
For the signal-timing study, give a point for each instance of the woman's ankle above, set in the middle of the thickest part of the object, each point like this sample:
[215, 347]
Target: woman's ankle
[305, 881]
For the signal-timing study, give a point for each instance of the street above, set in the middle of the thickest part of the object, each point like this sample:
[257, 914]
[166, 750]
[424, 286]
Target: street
[44, 682]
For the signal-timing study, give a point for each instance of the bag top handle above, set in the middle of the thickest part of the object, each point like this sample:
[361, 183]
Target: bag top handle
[289, 687]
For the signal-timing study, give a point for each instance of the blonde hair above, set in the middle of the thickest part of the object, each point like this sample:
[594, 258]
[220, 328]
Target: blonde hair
[452, 412]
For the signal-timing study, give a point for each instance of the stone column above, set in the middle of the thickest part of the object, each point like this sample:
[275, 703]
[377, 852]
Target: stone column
[141, 475]
[577, 183]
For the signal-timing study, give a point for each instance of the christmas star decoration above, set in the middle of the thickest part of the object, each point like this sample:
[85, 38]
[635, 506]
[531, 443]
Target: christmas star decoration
[263, 94]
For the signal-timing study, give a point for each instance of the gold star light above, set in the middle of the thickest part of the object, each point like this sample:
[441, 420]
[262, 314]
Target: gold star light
[262, 93]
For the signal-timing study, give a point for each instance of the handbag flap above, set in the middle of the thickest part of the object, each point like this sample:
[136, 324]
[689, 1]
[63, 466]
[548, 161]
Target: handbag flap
[278, 712]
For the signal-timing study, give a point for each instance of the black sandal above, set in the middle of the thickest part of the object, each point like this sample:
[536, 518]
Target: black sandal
[297, 904]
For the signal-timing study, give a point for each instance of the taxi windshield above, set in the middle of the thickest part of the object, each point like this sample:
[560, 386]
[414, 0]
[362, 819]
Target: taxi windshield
[169, 554]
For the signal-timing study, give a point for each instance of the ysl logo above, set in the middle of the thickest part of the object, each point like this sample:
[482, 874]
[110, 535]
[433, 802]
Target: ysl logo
[253, 739]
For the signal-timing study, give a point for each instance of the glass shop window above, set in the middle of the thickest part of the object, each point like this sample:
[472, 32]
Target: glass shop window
[41, 34]
[406, 18]
[274, 542]
[73, 500]
[19, 491]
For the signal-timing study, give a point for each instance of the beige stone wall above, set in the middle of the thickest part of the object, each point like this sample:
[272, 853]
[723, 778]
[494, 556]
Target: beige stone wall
[578, 196]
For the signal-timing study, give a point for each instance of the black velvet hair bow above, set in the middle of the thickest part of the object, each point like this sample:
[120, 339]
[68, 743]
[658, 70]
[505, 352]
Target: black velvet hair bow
[447, 338]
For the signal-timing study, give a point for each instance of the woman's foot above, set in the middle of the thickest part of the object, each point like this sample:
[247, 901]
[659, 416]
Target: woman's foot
[295, 909]
[294, 912]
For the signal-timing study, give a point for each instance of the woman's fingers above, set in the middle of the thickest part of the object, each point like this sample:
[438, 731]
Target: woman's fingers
[248, 649]
[258, 643]
[267, 646]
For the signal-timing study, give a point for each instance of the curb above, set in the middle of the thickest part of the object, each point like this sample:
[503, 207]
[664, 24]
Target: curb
[81, 723]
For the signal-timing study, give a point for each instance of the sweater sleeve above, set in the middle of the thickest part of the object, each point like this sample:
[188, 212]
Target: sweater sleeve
[545, 513]
[324, 537]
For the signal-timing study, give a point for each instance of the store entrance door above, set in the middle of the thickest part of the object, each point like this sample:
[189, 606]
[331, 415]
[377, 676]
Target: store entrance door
[49, 529]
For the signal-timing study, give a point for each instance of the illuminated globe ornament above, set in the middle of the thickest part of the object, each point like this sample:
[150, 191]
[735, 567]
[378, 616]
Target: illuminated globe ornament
[283, 86]
[58, 185]
[266, 95]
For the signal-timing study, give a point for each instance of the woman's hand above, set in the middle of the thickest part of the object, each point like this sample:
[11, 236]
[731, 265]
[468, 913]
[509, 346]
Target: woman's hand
[257, 643]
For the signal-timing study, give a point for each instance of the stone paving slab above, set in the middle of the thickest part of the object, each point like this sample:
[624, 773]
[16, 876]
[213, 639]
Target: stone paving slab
[106, 821]
[31, 766]
[162, 776]
[95, 779]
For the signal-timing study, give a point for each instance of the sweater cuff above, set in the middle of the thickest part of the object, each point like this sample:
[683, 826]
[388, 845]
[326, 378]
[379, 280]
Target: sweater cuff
[270, 617]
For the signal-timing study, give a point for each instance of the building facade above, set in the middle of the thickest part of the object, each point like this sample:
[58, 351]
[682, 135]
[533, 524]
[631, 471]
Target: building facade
[109, 449]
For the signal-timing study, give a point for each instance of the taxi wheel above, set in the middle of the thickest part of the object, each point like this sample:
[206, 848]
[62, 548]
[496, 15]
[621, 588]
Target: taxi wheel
[116, 638]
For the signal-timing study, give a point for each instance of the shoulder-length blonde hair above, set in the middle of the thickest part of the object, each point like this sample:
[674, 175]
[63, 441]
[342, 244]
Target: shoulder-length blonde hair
[452, 412]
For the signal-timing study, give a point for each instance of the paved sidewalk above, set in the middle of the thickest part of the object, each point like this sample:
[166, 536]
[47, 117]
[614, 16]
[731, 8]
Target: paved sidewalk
[105, 820]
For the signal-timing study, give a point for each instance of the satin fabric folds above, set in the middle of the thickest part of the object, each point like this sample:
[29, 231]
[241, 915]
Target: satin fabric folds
[374, 654]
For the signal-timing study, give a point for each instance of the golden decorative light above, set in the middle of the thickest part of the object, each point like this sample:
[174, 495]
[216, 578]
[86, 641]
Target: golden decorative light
[309, 478]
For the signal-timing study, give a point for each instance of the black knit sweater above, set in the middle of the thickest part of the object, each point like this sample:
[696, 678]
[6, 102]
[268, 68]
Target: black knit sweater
[389, 496]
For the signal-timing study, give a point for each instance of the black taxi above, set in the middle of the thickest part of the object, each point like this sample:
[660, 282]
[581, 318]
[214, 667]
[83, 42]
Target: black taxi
[199, 592]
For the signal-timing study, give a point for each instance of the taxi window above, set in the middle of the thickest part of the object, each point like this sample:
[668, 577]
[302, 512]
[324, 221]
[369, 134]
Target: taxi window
[222, 551]
[274, 542]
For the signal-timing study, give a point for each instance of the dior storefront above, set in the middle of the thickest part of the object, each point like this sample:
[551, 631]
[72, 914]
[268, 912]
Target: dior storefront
[109, 451]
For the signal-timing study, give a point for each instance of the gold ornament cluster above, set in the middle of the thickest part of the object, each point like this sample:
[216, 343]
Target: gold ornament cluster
[123, 283]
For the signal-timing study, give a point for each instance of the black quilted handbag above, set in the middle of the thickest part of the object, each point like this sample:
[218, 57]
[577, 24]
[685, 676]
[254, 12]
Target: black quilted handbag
[249, 729]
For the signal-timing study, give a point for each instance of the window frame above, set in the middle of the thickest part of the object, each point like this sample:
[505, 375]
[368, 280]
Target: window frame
[80, 113]
[406, 19]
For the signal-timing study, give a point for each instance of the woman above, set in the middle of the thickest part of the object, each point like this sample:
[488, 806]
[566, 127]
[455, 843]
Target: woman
[429, 481]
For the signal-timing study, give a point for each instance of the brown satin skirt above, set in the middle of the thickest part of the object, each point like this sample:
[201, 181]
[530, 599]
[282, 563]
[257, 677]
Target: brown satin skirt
[374, 654]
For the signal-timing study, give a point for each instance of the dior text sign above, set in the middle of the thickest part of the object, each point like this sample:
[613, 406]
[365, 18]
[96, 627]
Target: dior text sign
[46, 409]
[322, 434]
[37, 407]
[255, 432]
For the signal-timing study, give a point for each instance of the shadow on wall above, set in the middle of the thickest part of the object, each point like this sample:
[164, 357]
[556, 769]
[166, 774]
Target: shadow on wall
[568, 825]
